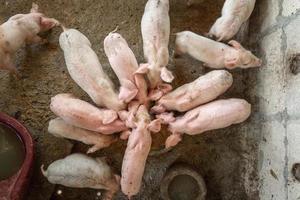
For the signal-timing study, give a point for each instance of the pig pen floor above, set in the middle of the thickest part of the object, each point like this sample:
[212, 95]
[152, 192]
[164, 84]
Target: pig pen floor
[226, 158]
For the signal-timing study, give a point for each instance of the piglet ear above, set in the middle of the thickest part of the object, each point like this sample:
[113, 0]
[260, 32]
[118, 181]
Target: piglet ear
[231, 59]
[166, 75]
[165, 88]
[155, 95]
[93, 149]
[235, 44]
[230, 63]
[127, 91]
[173, 140]
[166, 118]
[158, 109]
[48, 23]
[123, 115]
[143, 69]
[109, 116]
[125, 135]
[155, 126]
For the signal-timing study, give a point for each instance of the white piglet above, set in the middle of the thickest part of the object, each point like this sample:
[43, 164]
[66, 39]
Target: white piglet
[124, 64]
[80, 171]
[84, 115]
[59, 128]
[190, 95]
[85, 69]
[156, 32]
[19, 30]
[138, 148]
[214, 115]
[215, 54]
[234, 14]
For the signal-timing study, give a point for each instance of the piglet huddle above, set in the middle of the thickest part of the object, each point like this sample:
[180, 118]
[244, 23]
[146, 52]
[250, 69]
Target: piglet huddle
[128, 110]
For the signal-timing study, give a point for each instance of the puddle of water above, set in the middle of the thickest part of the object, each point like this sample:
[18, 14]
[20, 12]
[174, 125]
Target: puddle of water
[183, 187]
[12, 152]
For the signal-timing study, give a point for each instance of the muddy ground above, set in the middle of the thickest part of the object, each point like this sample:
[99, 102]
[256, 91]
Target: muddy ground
[225, 158]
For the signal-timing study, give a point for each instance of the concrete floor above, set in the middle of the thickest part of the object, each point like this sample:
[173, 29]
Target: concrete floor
[277, 33]
[227, 158]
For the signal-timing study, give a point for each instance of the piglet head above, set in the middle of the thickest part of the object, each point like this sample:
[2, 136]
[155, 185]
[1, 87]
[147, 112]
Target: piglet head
[44, 22]
[72, 37]
[241, 57]
[247, 60]
[144, 120]
[112, 42]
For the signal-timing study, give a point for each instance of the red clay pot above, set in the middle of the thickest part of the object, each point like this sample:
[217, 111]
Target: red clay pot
[15, 187]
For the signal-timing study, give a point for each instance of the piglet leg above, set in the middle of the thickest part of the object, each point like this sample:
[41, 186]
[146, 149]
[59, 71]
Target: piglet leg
[10, 66]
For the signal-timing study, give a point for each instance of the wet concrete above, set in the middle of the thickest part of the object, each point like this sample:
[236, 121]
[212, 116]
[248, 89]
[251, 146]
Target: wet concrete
[226, 158]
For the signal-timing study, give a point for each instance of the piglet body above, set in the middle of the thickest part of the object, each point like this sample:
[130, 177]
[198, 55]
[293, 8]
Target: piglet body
[215, 54]
[81, 171]
[86, 70]
[200, 91]
[19, 30]
[59, 128]
[156, 32]
[84, 115]
[124, 64]
[215, 115]
[234, 14]
[138, 148]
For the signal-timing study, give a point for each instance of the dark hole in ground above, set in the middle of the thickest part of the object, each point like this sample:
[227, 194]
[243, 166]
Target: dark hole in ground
[183, 187]
[295, 64]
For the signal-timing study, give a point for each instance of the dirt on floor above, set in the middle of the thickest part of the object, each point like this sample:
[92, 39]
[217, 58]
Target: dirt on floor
[225, 158]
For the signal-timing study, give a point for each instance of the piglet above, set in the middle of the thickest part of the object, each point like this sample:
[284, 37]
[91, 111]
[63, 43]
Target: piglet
[138, 148]
[86, 70]
[80, 171]
[84, 115]
[191, 95]
[19, 30]
[215, 115]
[215, 54]
[234, 14]
[59, 128]
[124, 64]
[156, 32]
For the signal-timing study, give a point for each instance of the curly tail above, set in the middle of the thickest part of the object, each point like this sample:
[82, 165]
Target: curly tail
[43, 171]
[34, 8]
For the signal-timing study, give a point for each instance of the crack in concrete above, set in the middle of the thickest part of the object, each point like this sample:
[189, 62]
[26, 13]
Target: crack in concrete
[282, 22]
